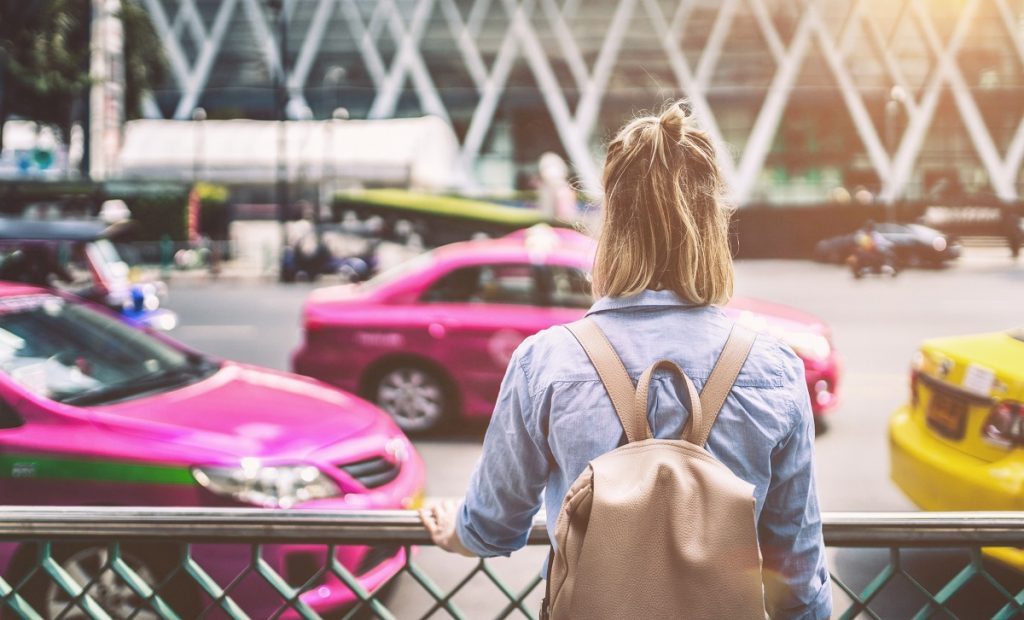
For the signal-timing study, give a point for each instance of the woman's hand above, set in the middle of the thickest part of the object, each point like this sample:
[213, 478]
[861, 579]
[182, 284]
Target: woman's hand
[439, 519]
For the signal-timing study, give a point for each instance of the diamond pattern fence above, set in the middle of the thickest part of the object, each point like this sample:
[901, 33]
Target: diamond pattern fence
[236, 563]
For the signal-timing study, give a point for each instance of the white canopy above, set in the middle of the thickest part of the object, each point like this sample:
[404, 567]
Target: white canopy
[421, 153]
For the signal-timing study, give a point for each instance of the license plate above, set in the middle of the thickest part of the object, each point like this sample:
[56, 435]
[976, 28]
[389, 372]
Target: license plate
[947, 415]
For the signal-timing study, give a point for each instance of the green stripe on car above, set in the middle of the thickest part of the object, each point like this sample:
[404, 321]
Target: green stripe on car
[38, 467]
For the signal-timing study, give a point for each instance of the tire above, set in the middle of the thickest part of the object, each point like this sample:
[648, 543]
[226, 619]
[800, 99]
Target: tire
[419, 399]
[84, 562]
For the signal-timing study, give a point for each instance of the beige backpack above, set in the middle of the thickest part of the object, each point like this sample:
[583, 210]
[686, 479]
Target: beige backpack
[657, 528]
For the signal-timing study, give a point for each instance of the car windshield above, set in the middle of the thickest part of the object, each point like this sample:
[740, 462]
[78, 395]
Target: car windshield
[73, 354]
[399, 271]
[923, 231]
[1018, 334]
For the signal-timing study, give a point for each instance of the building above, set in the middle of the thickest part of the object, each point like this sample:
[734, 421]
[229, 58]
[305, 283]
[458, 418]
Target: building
[810, 100]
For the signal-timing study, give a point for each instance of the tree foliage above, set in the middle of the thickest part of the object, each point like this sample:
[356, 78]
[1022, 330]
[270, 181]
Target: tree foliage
[145, 66]
[44, 59]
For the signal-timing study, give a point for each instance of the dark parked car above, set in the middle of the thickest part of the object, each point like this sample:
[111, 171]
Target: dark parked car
[914, 245]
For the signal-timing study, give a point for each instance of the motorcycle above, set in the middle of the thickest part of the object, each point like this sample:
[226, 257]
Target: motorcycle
[878, 262]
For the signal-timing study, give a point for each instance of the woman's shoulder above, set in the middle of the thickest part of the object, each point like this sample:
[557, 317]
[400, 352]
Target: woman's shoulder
[550, 355]
[774, 361]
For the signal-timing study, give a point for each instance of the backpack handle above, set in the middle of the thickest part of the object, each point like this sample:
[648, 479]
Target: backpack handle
[695, 424]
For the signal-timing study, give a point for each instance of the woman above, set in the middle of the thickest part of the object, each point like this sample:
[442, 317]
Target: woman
[662, 267]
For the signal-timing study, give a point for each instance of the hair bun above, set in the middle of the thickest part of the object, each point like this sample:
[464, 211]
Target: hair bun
[673, 120]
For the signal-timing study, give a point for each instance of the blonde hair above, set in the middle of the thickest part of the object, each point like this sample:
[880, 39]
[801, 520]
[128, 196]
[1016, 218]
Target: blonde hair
[666, 224]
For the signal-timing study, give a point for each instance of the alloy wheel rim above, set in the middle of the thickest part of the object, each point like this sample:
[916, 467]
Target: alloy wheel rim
[413, 397]
[91, 568]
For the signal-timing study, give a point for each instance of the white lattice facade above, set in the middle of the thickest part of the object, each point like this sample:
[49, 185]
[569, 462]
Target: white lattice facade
[808, 100]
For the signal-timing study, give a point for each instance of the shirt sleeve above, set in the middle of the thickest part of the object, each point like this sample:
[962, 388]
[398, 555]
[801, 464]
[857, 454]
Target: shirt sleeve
[506, 487]
[796, 578]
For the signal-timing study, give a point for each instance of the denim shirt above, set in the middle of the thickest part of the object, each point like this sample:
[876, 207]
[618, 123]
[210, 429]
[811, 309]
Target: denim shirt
[553, 416]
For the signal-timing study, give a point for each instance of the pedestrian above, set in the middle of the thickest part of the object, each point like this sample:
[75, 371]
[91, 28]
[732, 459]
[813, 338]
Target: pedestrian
[661, 271]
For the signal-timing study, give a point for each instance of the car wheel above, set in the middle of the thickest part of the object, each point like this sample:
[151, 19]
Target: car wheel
[90, 566]
[417, 398]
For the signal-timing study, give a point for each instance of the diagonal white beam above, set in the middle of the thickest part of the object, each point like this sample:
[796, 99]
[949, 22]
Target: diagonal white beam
[367, 49]
[851, 97]
[767, 123]
[264, 36]
[310, 46]
[567, 42]
[149, 107]
[917, 128]
[409, 62]
[768, 31]
[483, 114]
[1002, 183]
[569, 8]
[555, 101]
[477, 13]
[716, 41]
[379, 19]
[196, 82]
[1013, 28]
[195, 24]
[175, 55]
[464, 41]
[848, 29]
[1015, 154]
[679, 18]
[590, 98]
[687, 84]
[892, 67]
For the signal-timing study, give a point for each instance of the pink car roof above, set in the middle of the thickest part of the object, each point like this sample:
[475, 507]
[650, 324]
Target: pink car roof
[10, 289]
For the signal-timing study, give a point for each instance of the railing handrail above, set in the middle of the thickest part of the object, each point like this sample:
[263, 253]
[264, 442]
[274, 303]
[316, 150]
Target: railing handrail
[251, 525]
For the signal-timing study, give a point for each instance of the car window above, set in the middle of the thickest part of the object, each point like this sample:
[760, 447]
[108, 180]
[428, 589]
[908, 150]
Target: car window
[511, 283]
[568, 287]
[71, 353]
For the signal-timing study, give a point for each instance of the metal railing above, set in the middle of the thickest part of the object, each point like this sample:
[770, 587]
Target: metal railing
[241, 563]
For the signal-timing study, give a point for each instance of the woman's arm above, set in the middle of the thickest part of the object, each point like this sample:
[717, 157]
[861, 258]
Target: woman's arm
[796, 578]
[505, 489]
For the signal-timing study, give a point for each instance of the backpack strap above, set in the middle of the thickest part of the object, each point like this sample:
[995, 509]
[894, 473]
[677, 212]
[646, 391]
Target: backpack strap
[723, 376]
[614, 377]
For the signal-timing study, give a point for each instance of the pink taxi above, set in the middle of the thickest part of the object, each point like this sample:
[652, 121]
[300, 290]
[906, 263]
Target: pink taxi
[96, 412]
[429, 340]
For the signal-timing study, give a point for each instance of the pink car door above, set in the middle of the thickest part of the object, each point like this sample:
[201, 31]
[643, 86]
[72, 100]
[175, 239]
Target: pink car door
[481, 313]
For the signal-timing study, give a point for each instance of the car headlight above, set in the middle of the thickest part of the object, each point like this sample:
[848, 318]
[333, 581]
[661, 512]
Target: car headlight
[270, 486]
[808, 344]
[938, 244]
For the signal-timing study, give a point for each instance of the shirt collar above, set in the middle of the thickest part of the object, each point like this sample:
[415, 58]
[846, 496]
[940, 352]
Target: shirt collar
[646, 297]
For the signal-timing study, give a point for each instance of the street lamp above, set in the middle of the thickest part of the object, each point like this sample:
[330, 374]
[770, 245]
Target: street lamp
[897, 99]
[333, 78]
[198, 116]
[278, 15]
[328, 175]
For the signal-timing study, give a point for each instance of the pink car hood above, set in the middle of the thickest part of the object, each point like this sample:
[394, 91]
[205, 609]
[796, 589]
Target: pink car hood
[244, 411]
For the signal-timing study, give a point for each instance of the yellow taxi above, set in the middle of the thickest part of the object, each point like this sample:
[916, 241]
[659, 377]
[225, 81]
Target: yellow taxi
[957, 445]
